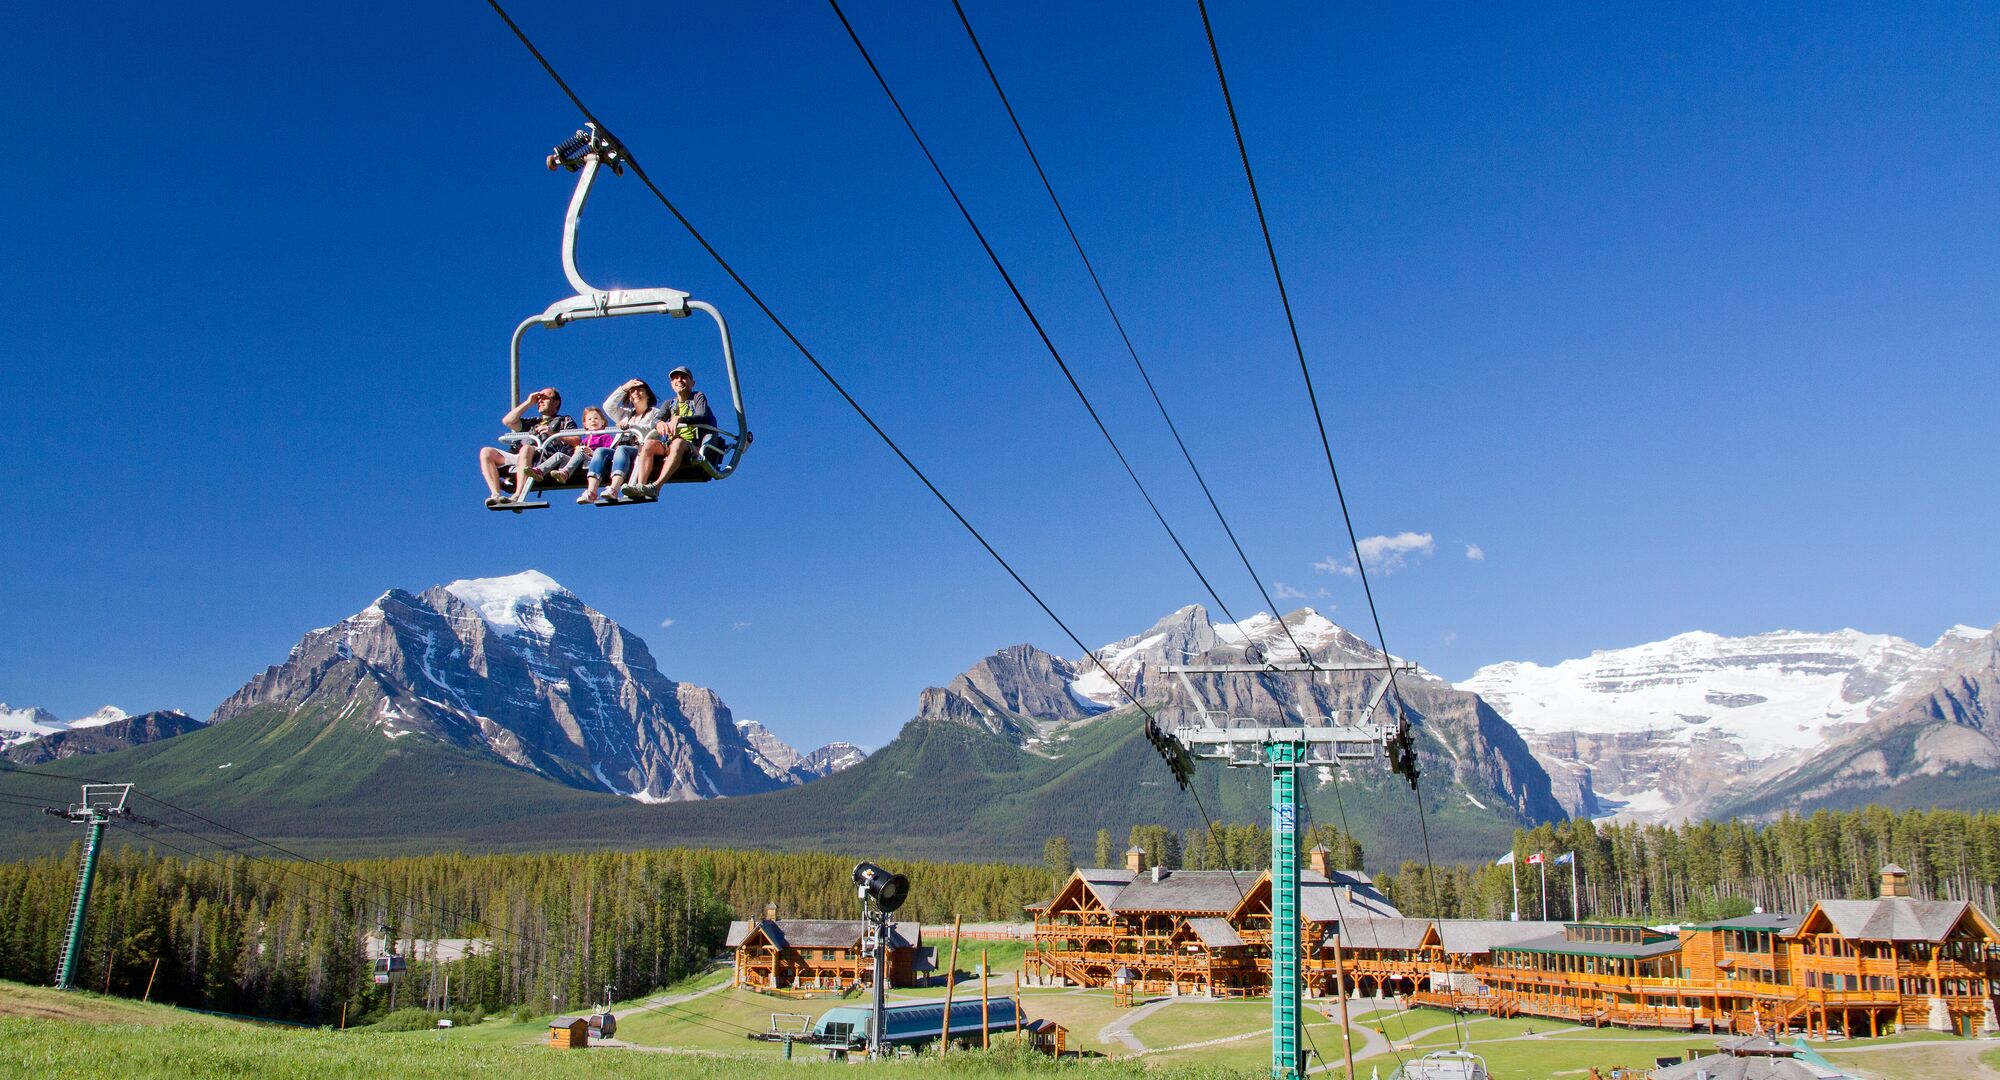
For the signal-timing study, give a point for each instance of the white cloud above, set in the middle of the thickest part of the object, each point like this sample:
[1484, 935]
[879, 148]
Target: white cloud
[1391, 553]
[1285, 592]
[1475, 552]
[664, 623]
[739, 626]
[1450, 636]
[1334, 564]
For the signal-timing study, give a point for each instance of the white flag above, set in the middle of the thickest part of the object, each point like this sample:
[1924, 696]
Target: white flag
[1505, 860]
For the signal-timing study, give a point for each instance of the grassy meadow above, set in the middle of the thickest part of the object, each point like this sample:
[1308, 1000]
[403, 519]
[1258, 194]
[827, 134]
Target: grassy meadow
[87, 1036]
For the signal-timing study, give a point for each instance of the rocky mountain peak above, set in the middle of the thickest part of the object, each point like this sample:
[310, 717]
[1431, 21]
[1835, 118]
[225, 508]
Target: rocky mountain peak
[520, 667]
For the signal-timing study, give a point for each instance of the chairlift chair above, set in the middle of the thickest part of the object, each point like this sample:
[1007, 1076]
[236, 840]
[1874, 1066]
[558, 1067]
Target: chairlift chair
[719, 452]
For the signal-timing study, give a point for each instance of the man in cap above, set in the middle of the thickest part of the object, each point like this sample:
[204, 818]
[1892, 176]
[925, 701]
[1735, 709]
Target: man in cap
[677, 435]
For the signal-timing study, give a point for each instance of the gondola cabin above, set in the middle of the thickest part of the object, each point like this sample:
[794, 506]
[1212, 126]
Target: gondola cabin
[389, 970]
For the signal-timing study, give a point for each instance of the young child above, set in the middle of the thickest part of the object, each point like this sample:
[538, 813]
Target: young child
[597, 444]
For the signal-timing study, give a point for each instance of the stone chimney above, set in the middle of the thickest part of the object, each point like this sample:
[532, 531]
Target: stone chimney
[1159, 873]
[771, 912]
[1317, 861]
[1135, 859]
[1895, 881]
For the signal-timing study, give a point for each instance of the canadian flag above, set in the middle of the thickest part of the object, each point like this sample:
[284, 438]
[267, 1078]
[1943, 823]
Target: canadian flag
[1535, 859]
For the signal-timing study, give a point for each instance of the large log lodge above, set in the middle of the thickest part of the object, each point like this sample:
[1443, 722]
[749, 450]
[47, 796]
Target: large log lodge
[1859, 967]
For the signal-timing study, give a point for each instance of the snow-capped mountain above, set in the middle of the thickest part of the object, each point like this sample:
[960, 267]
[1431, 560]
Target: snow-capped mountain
[1655, 731]
[1935, 744]
[780, 759]
[21, 725]
[1039, 700]
[520, 667]
[100, 737]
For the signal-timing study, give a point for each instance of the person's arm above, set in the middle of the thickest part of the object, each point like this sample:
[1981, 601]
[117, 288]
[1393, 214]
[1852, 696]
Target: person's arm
[614, 406]
[512, 420]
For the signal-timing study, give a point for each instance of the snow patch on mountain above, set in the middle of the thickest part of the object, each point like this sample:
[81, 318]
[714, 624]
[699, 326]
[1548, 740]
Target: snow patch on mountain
[110, 714]
[510, 604]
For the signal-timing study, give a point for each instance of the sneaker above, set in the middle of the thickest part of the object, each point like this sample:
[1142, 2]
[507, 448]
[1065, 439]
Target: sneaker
[584, 499]
[609, 498]
[495, 502]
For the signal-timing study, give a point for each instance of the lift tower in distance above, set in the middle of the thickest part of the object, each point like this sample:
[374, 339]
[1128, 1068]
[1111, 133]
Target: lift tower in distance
[101, 803]
[1244, 742]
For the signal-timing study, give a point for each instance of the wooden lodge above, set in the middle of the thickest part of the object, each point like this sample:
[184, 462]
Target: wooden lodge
[1859, 967]
[1184, 931]
[813, 956]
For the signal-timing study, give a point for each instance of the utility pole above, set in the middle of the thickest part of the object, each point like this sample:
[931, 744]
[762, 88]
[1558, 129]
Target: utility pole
[1284, 750]
[101, 803]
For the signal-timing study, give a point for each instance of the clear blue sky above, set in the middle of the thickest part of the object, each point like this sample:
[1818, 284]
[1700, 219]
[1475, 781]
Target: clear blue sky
[1686, 320]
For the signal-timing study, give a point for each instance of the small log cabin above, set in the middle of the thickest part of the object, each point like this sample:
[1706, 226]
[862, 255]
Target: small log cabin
[569, 1033]
[810, 956]
[1859, 967]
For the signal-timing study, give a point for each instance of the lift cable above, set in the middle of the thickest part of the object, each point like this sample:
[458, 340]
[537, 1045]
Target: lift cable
[1162, 742]
[1026, 308]
[1130, 349]
[1407, 752]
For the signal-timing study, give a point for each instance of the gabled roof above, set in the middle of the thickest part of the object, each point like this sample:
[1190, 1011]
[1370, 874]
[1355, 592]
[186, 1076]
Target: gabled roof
[809, 933]
[1105, 883]
[1324, 899]
[1215, 933]
[1184, 892]
[1369, 933]
[1473, 936]
[1896, 918]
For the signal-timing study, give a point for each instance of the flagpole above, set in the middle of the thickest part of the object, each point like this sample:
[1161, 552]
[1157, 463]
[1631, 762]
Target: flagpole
[1544, 864]
[1514, 872]
[1575, 909]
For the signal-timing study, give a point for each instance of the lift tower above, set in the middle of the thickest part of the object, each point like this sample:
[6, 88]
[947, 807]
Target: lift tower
[1244, 742]
[101, 803]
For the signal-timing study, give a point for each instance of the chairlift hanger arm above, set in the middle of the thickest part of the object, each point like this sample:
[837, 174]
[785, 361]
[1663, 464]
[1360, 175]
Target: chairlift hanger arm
[585, 153]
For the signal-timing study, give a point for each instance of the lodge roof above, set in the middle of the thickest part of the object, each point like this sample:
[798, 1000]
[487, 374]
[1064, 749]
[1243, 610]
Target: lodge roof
[1218, 891]
[1370, 933]
[1564, 945]
[1896, 918]
[1467, 936]
[1770, 920]
[1215, 933]
[1104, 883]
[810, 933]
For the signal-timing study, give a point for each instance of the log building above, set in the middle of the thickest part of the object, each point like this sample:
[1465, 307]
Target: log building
[1859, 967]
[812, 956]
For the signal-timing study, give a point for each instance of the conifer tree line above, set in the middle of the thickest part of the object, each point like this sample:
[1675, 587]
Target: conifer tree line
[296, 941]
[1714, 870]
[1219, 846]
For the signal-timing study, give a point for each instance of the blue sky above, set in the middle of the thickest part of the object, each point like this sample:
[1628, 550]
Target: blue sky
[1684, 320]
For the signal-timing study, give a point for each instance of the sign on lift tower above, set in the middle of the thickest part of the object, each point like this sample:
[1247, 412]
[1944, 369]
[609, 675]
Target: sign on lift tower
[1243, 742]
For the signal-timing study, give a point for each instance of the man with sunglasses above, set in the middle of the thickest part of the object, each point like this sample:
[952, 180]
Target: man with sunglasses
[547, 423]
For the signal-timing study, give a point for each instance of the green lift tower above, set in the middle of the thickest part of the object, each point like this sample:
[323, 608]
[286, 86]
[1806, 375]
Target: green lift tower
[1312, 742]
[101, 803]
